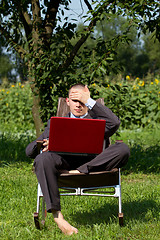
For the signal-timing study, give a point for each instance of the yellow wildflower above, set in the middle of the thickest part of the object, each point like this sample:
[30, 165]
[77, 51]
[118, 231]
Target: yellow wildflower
[156, 81]
[12, 85]
[22, 86]
[19, 84]
[152, 83]
[108, 86]
[93, 84]
[141, 83]
[120, 84]
[7, 104]
[135, 87]
[128, 77]
[159, 92]
[137, 79]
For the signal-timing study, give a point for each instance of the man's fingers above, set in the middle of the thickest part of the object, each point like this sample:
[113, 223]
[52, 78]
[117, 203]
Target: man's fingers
[81, 95]
[75, 95]
[86, 88]
[46, 142]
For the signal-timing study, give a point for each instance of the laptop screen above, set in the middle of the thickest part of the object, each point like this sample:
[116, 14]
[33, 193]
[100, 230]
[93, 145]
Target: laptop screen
[76, 135]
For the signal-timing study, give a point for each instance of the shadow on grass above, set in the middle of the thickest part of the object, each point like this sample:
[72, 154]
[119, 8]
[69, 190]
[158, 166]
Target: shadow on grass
[12, 149]
[143, 160]
[108, 213]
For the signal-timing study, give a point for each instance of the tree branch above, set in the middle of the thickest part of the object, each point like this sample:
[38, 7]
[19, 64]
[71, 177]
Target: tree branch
[85, 35]
[88, 5]
[50, 19]
[27, 23]
[27, 17]
[36, 11]
[14, 44]
[37, 22]
[79, 44]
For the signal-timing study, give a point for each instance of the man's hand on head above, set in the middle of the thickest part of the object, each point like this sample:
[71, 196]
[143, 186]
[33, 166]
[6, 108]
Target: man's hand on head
[81, 95]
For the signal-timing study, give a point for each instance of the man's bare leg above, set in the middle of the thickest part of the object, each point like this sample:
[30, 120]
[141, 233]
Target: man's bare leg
[63, 225]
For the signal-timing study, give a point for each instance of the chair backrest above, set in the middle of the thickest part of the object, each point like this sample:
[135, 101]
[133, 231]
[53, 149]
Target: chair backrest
[63, 108]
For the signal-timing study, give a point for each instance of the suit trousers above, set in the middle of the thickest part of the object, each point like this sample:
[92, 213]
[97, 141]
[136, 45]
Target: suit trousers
[48, 165]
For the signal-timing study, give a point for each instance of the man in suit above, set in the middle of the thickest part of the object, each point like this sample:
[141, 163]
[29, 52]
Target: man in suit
[49, 165]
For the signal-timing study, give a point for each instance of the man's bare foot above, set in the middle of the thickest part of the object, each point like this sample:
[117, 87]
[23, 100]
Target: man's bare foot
[74, 171]
[63, 225]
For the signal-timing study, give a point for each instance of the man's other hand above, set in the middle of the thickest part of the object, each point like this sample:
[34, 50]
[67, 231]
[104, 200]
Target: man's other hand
[45, 145]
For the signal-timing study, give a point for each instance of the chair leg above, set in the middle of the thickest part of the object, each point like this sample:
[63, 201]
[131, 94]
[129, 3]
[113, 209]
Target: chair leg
[36, 221]
[120, 216]
[44, 212]
[39, 217]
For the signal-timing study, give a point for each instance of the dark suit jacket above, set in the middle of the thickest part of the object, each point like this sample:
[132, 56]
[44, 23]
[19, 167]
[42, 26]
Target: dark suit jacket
[97, 112]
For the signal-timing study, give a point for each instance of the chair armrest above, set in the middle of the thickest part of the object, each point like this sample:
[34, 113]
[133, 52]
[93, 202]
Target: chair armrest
[39, 145]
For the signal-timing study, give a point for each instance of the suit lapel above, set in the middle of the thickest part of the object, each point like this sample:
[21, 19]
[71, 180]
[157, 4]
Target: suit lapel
[88, 116]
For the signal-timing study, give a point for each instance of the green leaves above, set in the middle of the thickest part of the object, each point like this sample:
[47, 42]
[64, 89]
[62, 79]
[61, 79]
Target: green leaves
[136, 105]
[16, 106]
[53, 51]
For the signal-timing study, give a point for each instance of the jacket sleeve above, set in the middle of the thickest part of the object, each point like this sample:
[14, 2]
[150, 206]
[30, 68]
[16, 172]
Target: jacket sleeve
[31, 149]
[102, 112]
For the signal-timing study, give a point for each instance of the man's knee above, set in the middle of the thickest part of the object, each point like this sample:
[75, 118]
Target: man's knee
[48, 160]
[124, 152]
[43, 160]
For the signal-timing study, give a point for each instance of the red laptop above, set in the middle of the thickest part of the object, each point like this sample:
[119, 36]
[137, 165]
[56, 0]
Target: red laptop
[76, 135]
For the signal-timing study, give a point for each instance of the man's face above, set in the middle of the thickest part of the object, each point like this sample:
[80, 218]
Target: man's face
[76, 107]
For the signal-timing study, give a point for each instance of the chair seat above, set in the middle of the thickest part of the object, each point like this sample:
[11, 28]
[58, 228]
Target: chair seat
[93, 179]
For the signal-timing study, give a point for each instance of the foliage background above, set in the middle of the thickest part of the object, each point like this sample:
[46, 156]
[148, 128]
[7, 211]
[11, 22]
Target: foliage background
[52, 47]
[136, 102]
[16, 108]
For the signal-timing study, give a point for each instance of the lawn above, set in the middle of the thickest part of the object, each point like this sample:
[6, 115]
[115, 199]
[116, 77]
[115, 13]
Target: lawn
[95, 217]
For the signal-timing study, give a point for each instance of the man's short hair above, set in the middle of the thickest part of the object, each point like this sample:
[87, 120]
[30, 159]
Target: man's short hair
[77, 85]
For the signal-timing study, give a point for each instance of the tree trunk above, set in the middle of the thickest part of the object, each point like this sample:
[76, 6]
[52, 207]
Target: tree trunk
[36, 108]
[36, 115]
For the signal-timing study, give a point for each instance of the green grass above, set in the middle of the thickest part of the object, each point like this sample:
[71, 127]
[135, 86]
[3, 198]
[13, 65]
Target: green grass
[95, 217]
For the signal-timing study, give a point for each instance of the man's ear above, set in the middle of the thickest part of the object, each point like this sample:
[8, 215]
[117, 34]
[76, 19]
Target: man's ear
[67, 101]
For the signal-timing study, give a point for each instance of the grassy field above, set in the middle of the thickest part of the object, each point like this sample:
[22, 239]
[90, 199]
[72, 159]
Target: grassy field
[96, 218]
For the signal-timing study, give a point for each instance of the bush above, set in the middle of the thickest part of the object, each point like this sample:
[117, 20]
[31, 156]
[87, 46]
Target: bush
[16, 107]
[136, 103]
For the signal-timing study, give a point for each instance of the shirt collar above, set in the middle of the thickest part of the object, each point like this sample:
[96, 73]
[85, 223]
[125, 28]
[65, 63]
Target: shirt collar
[73, 116]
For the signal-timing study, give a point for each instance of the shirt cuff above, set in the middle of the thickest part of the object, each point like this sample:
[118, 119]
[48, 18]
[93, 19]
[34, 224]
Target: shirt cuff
[90, 103]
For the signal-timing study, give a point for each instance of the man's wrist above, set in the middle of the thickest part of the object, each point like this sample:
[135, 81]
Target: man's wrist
[90, 103]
